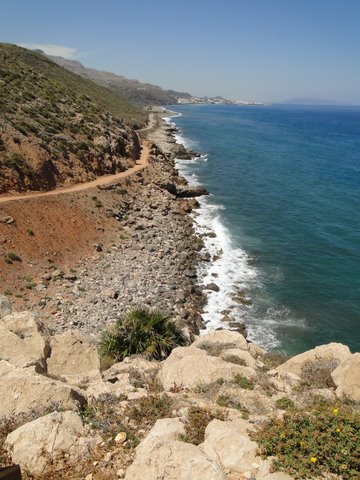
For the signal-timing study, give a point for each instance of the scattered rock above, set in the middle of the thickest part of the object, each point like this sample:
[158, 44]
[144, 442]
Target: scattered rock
[73, 358]
[121, 438]
[52, 437]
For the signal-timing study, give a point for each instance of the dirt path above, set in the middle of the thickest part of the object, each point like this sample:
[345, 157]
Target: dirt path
[103, 180]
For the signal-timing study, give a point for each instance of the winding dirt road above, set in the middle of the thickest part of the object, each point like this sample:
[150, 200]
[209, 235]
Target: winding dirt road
[79, 187]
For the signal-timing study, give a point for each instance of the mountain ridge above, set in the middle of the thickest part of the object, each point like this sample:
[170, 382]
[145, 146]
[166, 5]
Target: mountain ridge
[134, 91]
[56, 128]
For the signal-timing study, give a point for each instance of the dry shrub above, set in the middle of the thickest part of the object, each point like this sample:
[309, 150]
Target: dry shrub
[216, 349]
[196, 422]
[235, 359]
[317, 373]
[146, 410]
[274, 359]
[229, 402]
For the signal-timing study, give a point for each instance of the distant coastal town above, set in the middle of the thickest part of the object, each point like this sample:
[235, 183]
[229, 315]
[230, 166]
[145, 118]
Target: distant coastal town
[214, 101]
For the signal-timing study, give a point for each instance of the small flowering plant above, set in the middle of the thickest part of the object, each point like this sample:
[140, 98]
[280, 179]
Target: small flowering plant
[314, 443]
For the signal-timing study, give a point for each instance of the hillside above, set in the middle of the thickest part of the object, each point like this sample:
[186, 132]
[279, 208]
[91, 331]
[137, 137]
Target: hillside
[58, 128]
[138, 93]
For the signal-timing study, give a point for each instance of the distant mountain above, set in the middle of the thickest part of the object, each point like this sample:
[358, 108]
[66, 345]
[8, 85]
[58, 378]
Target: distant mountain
[133, 91]
[310, 101]
[57, 128]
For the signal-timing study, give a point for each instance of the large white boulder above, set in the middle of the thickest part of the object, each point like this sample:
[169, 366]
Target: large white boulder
[193, 369]
[24, 340]
[52, 437]
[24, 392]
[164, 430]
[174, 460]
[347, 378]
[222, 338]
[331, 351]
[229, 444]
[73, 358]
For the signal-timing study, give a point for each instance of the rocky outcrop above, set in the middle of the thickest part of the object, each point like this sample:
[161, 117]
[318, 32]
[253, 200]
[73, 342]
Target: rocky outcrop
[174, 460]
[194, 368]
[73, 358]
[24, 392]
[347, 378]
[222, 338]
[24, 340]
[229, 444]
[164, 430]
[59, 437]
[332, 351]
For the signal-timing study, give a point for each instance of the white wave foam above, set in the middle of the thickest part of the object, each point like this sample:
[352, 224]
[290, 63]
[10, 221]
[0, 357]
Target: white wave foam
[230, 269]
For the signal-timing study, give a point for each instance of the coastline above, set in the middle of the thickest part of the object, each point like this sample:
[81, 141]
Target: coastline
[155, 258]
[222, 270]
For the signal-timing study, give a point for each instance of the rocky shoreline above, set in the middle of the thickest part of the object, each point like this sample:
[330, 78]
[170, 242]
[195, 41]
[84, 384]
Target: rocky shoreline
[154, 260]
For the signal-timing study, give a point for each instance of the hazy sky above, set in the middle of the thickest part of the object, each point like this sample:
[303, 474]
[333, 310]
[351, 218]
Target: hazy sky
[269, 50]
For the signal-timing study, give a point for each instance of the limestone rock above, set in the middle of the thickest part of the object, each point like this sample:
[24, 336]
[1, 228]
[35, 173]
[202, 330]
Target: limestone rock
[164, 430]
[73, 358]
[174, 460]
[256, 351]
[191, 370]
[225, 338]
[129, 364]
[229, 444]
[24, 340]
[336, 351]
[347, 378]
[24, 392]
[241, 357]
[5, 306]
[51, 436]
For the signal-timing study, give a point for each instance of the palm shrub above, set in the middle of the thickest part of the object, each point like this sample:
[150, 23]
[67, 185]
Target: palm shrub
[141, 331]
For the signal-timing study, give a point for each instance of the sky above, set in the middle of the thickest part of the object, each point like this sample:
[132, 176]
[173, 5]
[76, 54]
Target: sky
[261, 50]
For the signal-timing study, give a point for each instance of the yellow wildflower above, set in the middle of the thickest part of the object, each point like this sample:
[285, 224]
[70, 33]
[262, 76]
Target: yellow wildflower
[313, 459]
[282, 435]
[335, 411]
[337, 430]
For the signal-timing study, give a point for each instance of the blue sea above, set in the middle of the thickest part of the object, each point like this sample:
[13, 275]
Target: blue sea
[285, 208]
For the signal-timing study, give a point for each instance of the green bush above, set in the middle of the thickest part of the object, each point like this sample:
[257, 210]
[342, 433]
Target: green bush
[284, 403]
[141, 331]
[323, 441]
[243, 382]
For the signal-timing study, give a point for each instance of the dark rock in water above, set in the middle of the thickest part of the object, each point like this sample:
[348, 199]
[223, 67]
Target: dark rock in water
[188, 192]
[240, 327]
[184, 154]
[242, 299]
[213, 287]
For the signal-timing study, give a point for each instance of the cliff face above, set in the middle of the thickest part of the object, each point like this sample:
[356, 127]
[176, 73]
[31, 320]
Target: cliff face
[57, 128]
